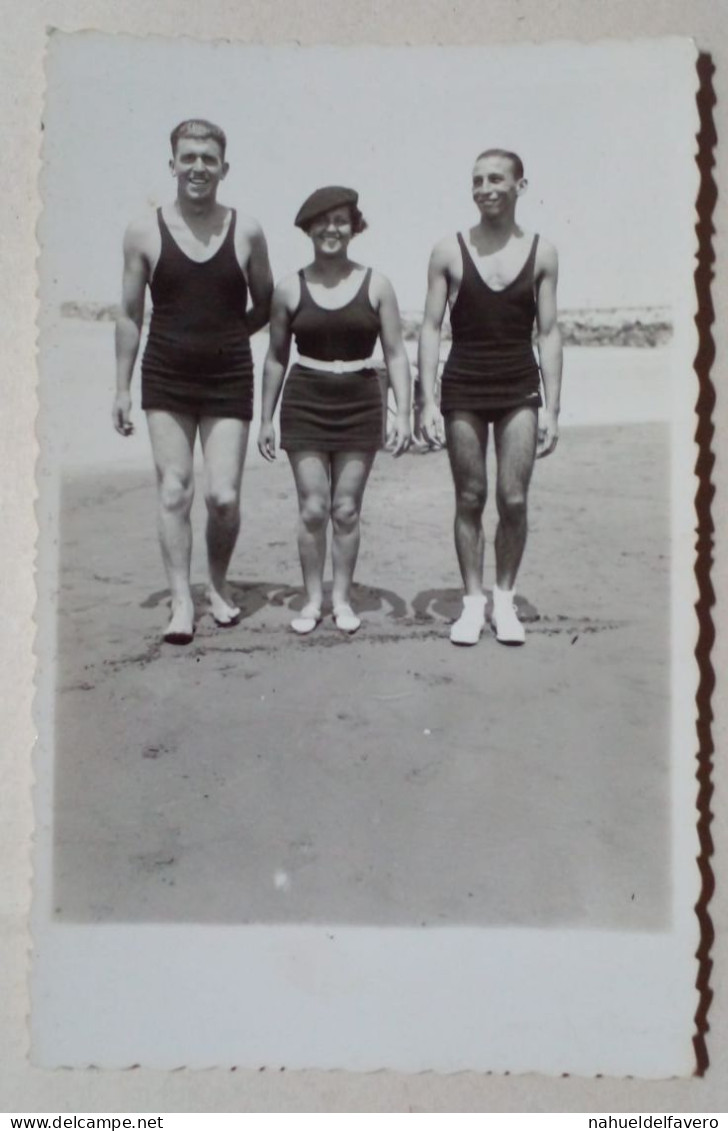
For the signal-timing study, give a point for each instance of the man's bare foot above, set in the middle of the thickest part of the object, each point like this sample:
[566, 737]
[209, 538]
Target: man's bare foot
[181, 627]
[222, 606]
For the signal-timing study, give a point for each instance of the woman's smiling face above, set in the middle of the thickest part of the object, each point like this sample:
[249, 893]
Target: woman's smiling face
[332, 231]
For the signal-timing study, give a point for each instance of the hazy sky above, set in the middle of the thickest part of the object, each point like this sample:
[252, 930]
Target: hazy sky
[605, 132]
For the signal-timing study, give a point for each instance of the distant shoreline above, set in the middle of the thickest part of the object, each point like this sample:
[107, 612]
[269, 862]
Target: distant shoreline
[641, 327]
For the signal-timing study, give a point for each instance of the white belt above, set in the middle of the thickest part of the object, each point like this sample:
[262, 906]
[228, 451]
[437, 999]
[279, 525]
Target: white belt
[335, 366]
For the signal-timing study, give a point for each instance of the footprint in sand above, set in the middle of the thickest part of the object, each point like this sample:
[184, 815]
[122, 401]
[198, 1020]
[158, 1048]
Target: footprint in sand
[154, 861]
[421, 775]
[155, 750]
[433, 679]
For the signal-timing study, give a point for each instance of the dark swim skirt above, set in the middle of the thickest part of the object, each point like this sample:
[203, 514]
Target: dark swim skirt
[332, 412]
[230, 396]
[482, 381]
[467, 394]
[216, 380]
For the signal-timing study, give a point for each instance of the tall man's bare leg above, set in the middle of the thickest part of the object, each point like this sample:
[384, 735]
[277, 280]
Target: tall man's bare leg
[224, 443]
[173, 439]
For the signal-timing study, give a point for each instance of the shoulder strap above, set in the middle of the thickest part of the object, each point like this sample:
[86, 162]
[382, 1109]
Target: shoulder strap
[529, 269]
[465, 253]
[363, 291]
[303, 293]
[168, 244]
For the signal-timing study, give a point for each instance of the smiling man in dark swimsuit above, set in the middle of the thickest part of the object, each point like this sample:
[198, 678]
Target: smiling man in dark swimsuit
[200, 261]
[497, 279]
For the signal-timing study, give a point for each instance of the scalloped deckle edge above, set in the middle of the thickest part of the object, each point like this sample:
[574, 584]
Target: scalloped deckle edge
[704, 319]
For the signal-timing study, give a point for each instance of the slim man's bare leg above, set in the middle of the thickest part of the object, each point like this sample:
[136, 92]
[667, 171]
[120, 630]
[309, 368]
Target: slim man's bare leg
[467, 441]
[515, 444]
[515, 441]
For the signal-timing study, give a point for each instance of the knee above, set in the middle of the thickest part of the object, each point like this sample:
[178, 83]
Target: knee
[223, 505]
[345, 515]
[470, 501]
[175, 492]
[314, 513]
[513, 505]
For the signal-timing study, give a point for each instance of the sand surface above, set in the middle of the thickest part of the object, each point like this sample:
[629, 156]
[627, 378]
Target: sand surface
[388, 778]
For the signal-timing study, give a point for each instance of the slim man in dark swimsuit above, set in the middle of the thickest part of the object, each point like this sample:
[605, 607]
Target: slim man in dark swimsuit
[497, 279]
[200, 261]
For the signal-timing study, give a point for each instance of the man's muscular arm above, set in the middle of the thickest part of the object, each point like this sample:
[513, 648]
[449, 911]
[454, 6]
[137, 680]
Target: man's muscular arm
[129, 322]
[260, 279]
[428, 353]
[285, 300]
[550, 351]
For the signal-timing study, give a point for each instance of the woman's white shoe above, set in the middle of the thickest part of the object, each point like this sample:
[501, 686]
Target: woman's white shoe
[306, 620]
[346, 619]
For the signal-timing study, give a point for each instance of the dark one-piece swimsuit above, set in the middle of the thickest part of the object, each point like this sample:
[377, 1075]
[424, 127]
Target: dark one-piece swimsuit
[324, 411]
[197, 359]
[491, 368]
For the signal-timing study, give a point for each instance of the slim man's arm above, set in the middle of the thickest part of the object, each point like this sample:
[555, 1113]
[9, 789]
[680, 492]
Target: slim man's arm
[428, 353]
[550, 351]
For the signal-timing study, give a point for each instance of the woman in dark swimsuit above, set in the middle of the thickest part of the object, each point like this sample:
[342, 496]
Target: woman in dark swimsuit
[332, 412]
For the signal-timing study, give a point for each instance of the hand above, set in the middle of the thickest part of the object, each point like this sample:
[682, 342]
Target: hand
[548, 433]
[431, 424]
[400, 436]
[267, 442]
[120, 414]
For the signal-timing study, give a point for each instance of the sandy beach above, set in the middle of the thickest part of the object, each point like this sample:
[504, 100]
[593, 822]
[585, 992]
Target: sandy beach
[388, 778]
[261, 841]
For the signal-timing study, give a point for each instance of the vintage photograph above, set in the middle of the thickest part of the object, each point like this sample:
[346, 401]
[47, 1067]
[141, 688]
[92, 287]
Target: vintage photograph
[366, 678]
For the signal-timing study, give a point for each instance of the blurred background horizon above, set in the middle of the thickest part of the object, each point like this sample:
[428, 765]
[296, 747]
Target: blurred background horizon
[606, 132]
[595, 125]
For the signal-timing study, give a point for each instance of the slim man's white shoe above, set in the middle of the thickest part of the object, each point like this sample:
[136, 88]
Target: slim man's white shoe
[471, 622]
[508, 628]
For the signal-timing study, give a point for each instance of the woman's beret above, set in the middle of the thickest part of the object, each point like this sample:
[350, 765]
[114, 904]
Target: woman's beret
[323, 200]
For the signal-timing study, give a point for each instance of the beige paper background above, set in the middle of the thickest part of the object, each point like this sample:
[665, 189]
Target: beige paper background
[341, 21]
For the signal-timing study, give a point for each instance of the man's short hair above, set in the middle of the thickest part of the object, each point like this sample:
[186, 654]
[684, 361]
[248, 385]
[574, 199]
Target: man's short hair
[514, 159]
[200, 129]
